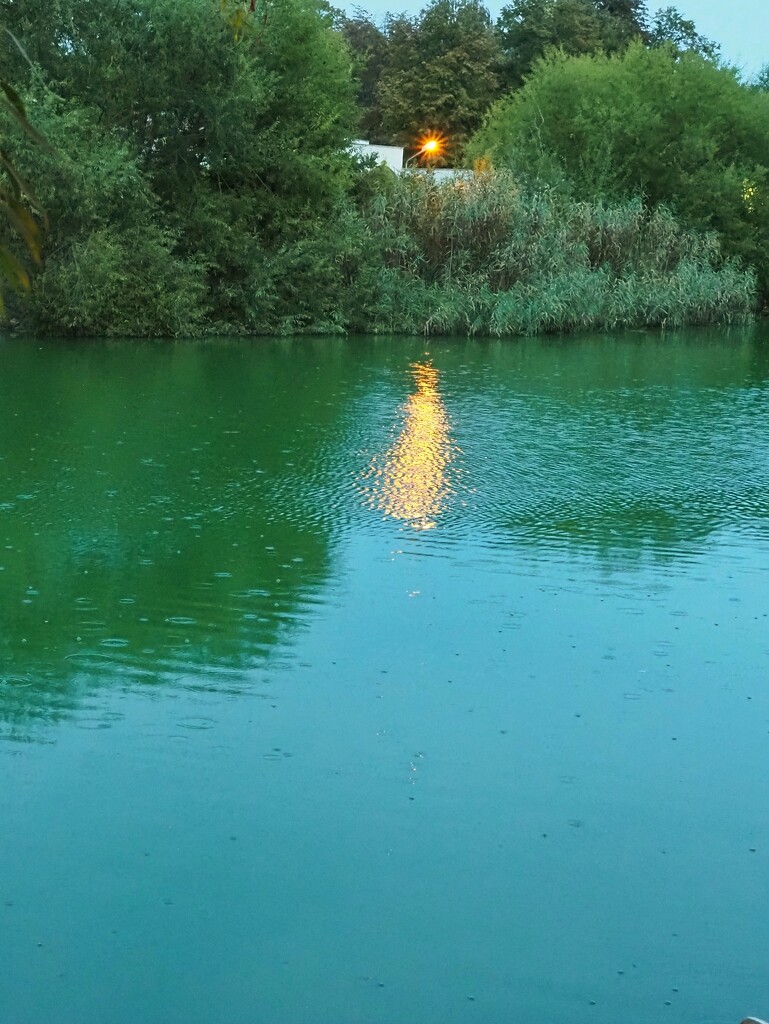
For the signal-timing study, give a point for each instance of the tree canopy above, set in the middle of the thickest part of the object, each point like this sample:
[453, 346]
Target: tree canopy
[675, 128]
[530, 28]
[230, 157]
[202, 178]
[438, 71]
[670, 28]
[442, 68]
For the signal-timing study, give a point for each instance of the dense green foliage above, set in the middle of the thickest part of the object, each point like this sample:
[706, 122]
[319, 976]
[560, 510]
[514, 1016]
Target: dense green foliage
[200, 180]
[674, 128]
[439, 71]
[368, 45]
[529, 28]
[111, 265]
[442, 68]
[483, 256]
[192, 171]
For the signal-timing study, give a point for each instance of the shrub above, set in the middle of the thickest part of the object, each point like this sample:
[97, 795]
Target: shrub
[486, 256]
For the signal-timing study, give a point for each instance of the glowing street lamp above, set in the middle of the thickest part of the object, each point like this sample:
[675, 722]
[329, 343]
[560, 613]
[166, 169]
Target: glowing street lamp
[431, 147]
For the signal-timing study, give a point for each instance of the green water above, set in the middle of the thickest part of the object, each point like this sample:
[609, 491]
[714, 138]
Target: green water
[372, 682]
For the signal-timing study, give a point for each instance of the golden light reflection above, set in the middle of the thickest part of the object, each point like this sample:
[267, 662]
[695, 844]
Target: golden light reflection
[412, 481]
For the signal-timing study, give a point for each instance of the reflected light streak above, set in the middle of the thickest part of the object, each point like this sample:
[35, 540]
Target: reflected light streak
[412, 482]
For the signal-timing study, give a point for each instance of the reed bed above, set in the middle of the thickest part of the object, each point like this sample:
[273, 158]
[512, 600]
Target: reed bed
[486, 256]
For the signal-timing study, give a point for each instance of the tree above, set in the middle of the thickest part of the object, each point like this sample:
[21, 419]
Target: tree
[529, 28]
[676, 129]
[110, 264]
[441, 73]
[631, 12]
[670, 28]
[762, 79]
[240, 148]
[368, 44]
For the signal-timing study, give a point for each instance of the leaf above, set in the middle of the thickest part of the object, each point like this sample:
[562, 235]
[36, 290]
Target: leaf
[21, 187]
[13, 98]
[14, 103]
[13, 272]
[22, 221]
[26, 127]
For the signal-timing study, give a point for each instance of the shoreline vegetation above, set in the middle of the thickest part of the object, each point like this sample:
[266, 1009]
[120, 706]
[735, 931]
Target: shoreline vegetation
[200, 181]
[485, 256]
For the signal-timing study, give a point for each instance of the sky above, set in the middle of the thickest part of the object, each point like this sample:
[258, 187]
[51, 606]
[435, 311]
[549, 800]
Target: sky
[740, 26]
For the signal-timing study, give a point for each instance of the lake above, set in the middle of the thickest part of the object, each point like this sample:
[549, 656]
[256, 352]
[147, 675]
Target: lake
[380, 681]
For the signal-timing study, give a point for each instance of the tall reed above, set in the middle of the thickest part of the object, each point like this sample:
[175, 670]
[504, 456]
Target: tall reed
[484, 256]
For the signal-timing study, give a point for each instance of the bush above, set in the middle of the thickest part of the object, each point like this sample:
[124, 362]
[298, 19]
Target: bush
[484, 256]
[110, 267]
[674, 128]
[207, 170]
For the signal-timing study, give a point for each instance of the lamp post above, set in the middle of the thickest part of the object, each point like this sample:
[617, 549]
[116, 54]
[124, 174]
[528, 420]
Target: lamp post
[430, 148]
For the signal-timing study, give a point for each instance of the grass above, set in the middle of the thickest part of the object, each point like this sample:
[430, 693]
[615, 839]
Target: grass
[485, 257]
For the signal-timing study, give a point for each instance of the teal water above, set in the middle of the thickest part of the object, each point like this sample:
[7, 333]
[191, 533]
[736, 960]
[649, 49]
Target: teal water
[377, 682]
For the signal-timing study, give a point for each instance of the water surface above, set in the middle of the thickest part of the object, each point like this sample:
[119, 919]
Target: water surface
[383, 682]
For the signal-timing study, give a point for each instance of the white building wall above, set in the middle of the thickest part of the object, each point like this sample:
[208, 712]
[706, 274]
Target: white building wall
[390, 156]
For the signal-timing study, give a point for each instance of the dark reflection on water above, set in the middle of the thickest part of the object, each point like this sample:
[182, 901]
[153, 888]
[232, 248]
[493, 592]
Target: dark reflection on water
[152, 512]
[169, 514]
[368, 681]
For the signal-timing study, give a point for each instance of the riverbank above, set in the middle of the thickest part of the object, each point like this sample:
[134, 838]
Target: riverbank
[482, 256]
